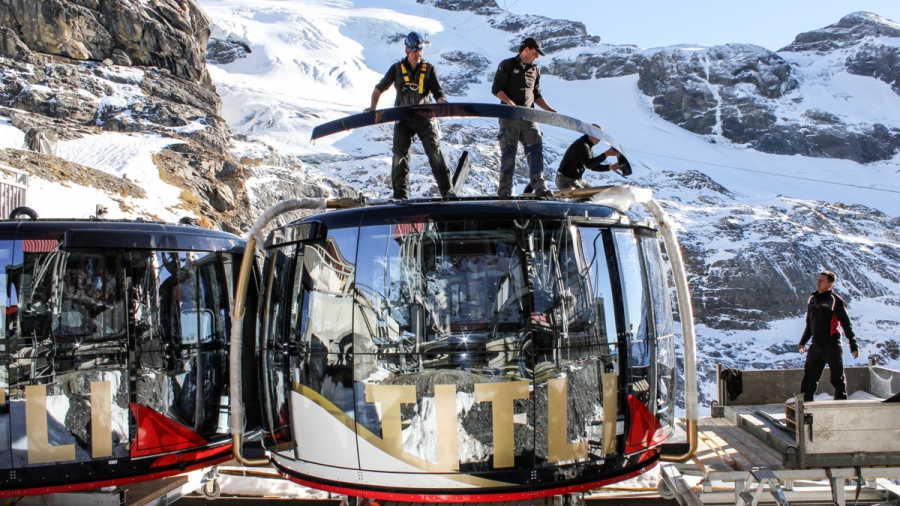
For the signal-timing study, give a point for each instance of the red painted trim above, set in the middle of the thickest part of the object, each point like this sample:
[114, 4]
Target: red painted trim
[477, 494]
[190, 456]
[93, 485]
[158, 433]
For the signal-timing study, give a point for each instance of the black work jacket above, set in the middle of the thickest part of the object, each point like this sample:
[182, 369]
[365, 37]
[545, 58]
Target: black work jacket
[579, 157]
[408, 93]
[520, 82]
[826, 313]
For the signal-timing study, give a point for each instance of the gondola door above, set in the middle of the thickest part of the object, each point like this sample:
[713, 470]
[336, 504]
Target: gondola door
[181, 301]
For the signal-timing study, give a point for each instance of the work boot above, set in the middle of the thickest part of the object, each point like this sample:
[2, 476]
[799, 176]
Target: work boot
[504, 188]
[544, 194]
[450, 195]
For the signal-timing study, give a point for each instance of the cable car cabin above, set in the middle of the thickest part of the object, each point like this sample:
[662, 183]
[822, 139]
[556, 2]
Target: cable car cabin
[112, 360]
[468, 350]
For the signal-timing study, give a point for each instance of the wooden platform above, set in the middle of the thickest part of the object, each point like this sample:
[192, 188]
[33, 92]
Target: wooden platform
[725, 446]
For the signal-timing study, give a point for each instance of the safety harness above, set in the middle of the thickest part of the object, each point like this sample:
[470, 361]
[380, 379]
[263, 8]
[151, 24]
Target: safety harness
[420, 87]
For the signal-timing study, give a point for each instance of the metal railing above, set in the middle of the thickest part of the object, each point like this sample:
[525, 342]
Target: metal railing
[13, 189]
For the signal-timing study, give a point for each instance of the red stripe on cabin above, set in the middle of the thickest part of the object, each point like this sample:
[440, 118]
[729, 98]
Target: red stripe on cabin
[39, 245]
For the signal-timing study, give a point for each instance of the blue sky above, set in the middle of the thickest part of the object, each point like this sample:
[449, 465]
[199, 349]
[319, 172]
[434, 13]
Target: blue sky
[772, 24]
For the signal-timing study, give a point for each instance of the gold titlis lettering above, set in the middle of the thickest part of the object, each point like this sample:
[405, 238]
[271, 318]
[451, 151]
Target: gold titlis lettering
[558, 447]
[39, 449]
[447, 431]
[101, 419]
[391, 397]
[501, 397]
[610, 412]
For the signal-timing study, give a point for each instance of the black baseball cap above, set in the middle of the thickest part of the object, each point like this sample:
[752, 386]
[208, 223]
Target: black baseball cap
[534, 44]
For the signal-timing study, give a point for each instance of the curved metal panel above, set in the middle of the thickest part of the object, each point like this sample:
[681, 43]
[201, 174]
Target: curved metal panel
[463, 110]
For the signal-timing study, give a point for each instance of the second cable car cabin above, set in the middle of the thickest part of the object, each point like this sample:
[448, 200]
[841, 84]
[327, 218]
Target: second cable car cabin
[470, 350]
[113, 358]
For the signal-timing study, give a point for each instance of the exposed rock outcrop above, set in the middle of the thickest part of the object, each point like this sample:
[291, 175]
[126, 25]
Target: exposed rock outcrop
[53, 169]
[81, 68]
[879, 61]
[167, 34]
[225, 51]
[464, 68]
[850, 30]
[610, 61]
[718, 90]
[766, 271]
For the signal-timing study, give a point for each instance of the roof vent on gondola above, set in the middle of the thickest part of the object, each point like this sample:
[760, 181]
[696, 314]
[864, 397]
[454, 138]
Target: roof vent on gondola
[187, 220]
[23, 213]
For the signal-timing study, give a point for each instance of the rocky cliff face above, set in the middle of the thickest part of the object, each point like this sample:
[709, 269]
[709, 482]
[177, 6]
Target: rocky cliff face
[752, 265]
[84, 67]
[748, 95]
[166, 34]
[849, 31]
[865, 39]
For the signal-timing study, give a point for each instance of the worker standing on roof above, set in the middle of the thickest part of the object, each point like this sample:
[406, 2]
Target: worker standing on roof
[518, 82]
[580, 157]
[826, 314]
[416, 81]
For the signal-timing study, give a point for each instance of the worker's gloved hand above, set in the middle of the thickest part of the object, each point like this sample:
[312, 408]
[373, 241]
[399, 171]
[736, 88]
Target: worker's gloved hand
[369, 109]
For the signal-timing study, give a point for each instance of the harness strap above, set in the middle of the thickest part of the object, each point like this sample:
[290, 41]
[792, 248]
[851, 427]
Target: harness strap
[422, 78]
[421, 84]
[405, 74]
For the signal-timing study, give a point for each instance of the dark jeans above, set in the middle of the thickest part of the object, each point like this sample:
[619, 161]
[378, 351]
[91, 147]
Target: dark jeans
[817, 357]
[404, 131]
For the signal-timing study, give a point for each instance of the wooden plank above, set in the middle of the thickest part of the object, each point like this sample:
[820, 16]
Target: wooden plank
[737, 461]
[745, 443]
[714, 457]
[763, 430]
[139, 494]
[750, 446]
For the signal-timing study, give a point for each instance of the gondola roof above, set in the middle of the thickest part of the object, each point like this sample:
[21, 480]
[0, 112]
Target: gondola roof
[121, 234]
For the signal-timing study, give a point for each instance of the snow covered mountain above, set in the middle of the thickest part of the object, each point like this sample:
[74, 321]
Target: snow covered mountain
[776, 165]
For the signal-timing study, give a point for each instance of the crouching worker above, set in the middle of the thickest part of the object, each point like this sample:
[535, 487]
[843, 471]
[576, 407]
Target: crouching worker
[580, 157]
[416, 81]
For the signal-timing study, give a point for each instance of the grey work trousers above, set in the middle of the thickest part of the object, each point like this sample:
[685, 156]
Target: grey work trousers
[512, 132]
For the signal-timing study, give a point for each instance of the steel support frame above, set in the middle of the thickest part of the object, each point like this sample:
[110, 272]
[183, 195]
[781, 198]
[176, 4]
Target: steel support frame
[836, 477]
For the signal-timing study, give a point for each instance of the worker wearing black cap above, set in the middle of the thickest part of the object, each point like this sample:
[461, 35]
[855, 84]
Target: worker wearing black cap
[416, 81]
[518, 82]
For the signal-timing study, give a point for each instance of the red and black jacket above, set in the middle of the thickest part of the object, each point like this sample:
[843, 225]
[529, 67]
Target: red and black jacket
[825, 315]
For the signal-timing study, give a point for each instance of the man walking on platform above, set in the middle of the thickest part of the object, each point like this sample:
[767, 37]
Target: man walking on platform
[518, 82]
[416, 81]
[826, 315]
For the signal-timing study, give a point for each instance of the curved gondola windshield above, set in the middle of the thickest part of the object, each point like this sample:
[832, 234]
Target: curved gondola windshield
[429, 303]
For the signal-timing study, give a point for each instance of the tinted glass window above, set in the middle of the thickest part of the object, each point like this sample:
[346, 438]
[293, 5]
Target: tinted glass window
[64, 352]
[664, 330]
[272, 320]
